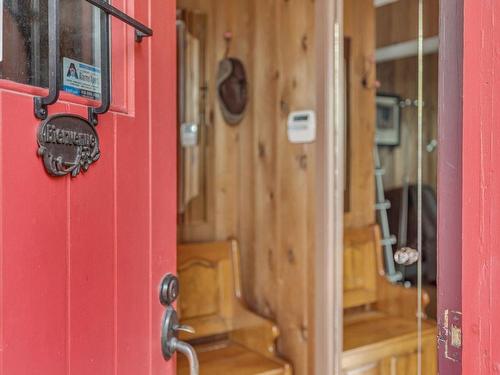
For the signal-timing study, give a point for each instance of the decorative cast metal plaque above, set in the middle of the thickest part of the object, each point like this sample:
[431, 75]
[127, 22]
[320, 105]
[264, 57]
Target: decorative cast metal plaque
[67, 144]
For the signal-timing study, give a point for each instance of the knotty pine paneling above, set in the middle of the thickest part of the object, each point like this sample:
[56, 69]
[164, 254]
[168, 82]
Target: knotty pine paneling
[400, 77]
[398, 22]
[359, 27]
[263, 186]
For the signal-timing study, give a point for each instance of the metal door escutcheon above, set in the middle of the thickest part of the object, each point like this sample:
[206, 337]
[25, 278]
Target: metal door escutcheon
[170, 342]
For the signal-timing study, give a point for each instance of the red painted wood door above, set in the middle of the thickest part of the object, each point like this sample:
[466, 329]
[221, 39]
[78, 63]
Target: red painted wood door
[81, 258]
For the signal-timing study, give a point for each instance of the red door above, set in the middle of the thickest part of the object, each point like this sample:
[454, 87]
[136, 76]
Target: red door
[81, 258]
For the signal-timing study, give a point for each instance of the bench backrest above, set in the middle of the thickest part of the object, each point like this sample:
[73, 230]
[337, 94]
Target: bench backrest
[360, 266]
[210, 290]
[209, 274]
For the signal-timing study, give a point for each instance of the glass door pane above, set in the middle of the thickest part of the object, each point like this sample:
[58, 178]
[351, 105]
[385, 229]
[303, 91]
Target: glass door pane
[25, 45]
[406, 137]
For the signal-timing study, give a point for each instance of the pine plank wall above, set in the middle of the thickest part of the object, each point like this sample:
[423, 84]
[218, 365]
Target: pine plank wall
[399, 77]
[261, 187]
[263, 191]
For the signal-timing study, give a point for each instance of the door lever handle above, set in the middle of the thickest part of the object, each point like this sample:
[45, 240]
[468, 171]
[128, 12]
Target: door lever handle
[170, 342]
[186, 349]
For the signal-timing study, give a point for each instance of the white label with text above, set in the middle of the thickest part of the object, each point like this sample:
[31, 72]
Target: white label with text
[81, 79]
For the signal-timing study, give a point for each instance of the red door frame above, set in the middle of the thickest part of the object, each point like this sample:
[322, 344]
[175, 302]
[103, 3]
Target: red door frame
[469, 182]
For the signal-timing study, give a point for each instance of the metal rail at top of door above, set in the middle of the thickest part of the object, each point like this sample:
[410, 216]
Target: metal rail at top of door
[141, 31]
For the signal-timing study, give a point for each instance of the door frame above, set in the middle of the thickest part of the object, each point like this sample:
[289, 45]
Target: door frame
[480, 186]
[328, 291]
[327, 317]
[453, 229]
[450, 179]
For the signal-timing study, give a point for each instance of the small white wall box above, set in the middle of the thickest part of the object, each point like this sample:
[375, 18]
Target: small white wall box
[302, 127]
[189, 134]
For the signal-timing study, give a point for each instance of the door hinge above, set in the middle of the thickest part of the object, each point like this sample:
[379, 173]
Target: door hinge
[450, 335]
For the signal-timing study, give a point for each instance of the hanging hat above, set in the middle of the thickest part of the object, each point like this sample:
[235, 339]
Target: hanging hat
[232, 90]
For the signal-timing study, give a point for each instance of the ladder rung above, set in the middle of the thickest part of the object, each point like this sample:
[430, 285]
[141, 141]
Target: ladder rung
[383, 205]
[389, 241]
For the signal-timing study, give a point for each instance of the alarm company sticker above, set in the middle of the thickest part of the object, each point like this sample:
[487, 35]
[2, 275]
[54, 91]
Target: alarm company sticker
[81, 79]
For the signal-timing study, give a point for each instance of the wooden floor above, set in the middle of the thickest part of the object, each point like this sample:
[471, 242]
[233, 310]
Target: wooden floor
[386, 345]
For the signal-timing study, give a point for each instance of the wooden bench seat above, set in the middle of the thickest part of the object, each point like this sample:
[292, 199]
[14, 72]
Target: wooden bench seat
[229, 338]
[230, 358]
[380, 318]
[384, 340]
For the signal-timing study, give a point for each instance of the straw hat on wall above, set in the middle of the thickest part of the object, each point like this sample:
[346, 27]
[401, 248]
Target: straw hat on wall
[232, 90]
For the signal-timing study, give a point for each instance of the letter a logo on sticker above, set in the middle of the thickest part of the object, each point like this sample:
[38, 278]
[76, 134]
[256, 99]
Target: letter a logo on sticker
[81, 79]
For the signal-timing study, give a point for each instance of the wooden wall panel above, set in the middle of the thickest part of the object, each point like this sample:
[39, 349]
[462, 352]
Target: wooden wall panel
[359, 27]
[296, 171]
[398, 22]
[264, 187]
[266, 83]
[400, 77]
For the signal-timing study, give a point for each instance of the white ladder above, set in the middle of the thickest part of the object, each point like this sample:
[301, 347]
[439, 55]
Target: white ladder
[382, 205]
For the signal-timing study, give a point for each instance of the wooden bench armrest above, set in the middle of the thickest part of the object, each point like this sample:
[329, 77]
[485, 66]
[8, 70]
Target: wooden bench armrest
[246, 328]
[396, 300]
[259, 338]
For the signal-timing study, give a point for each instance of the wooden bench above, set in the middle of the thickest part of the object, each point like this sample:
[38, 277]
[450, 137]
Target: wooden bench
[380, 318]
[229, 338]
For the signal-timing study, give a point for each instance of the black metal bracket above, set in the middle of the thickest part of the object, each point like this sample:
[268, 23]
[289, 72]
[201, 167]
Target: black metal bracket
[105, 73]
[41, 103]
[141, 31]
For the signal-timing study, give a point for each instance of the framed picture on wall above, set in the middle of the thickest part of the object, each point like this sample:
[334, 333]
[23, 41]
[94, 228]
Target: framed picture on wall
[388, 120]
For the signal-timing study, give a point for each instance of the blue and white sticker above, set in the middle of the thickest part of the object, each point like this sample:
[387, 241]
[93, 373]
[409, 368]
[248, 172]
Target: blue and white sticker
[81, 79]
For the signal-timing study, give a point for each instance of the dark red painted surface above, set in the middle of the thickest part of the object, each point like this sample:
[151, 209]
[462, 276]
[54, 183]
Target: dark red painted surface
[81, 259]
[481, 188]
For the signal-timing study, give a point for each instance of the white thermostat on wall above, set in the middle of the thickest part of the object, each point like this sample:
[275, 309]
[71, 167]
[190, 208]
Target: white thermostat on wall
[302, 127]
[189, 134]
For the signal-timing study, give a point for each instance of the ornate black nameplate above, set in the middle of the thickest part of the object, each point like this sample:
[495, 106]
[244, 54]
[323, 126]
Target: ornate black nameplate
[67, 143]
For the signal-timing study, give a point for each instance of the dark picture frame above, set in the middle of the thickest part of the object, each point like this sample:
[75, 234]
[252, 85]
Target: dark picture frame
[388, 131]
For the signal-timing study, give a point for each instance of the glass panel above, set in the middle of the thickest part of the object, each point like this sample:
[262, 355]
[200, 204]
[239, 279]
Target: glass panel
[25, 44]
[406, 133]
